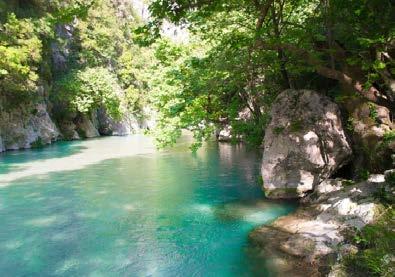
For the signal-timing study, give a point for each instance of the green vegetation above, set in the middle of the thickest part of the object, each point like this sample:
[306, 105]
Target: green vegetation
[102, 65]
[20, 52]
[348, 183]
[362, 174]
[376, 244]
[373, 114]
[238, 56]
[296, 126]
[255, 49]
[279, 129]
[389, 137]
[89, 89]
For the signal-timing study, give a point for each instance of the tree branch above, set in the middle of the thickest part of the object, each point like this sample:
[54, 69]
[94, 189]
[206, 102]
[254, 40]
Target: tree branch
[371, 94]
[263, 10]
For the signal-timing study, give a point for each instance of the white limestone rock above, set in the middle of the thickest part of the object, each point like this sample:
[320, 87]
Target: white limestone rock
[26, 126]
[315, 232]
[304, 144]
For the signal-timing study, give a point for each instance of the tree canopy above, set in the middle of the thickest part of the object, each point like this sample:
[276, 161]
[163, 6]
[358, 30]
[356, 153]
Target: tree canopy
[250, 50]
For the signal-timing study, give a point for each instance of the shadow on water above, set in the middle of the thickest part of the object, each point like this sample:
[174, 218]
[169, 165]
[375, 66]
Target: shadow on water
[13, 160]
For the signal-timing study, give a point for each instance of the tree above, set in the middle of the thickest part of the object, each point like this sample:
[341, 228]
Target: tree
[256, 48]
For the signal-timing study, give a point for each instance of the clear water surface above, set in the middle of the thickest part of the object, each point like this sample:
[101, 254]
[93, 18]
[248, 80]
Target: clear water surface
[117, 207]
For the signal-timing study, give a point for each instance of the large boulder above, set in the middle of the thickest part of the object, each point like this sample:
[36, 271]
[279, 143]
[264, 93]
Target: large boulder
[304, 144]
[28, 125]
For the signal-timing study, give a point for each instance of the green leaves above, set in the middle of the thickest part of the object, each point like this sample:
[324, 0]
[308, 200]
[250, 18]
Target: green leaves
[20, 55]
[89, 89]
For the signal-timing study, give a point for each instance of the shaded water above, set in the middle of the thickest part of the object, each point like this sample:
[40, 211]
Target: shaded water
[117, 207]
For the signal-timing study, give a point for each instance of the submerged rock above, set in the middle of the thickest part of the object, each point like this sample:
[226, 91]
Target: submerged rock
[311, 237]
[258, 211]
[304, 144]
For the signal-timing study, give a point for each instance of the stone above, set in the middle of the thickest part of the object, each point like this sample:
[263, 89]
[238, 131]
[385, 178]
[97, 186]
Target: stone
[314, 233]
[376, 178]
[338, 271]
[68, 130]
[304, 144]
[329, 185]
[225, 134]
[389, 176]
[368, 134]
[85, 127]
[28, 125]
[61, 48]
[110, 127]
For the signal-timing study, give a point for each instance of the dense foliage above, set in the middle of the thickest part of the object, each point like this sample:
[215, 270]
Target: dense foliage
[20, 55]
[101, 66]
[255, 49]
[90, 89]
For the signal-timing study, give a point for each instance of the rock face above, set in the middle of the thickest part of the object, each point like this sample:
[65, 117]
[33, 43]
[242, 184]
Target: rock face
[304, 144]
[61, 51]
[26, 126]
[85, 127]
[370, 123]
[307, 241]
[109, 127]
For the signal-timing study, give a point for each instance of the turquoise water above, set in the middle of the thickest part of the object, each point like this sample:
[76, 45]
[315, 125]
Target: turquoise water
[117, 207]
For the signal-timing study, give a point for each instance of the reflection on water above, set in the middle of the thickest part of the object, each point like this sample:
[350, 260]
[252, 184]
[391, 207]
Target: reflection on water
[117, 207]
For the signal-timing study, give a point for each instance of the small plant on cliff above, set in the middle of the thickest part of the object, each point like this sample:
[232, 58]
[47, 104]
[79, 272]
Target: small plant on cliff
[373, 114]
[389, 137]
[350, 124]
[278, 130]
[296, 126]
[362, 174]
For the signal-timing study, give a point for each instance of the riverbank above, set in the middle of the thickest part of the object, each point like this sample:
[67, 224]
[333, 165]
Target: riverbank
[314, 240]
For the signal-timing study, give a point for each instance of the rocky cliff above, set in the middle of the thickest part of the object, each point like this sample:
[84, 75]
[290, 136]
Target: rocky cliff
[28, 125]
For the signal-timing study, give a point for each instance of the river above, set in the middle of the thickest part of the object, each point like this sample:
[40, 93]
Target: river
[116, 206]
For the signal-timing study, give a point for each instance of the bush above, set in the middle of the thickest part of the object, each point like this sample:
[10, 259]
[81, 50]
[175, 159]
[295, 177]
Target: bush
[376, 243]
[90, 88]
